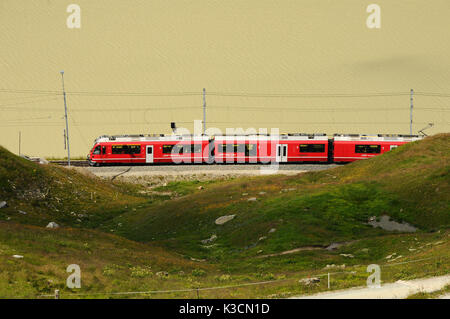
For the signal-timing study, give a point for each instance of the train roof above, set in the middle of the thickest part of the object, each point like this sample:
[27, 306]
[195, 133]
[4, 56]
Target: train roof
[149, 137]
[263, 137]
[377, 137]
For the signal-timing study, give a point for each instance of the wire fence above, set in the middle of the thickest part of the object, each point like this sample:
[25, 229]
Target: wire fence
[197, 290]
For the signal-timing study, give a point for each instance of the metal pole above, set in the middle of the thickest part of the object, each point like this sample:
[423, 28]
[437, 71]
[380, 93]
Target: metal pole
[20, 141]
[204, 111]
[67, 124]
[411, 112]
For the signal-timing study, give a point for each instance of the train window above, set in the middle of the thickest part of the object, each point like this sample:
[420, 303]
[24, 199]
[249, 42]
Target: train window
[175, 149]
[250, 149]
[233, 148]
[167, 149]
[368, 149]
[126, 149]
[196, 148]
[103, 150]
[97, 150]
[312, 148]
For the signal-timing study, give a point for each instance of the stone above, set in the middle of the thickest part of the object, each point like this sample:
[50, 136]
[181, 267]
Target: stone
[162, 274]
[224, 219]
[18, 256]
[309, 281]
[252, 199]
[22, 212]
[272, 230]
[200, 187]
[210, 239]
[52, 225]
[347, 255]
[3, 204]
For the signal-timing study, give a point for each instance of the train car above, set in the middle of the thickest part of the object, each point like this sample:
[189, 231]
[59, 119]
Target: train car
[353, 147]
[301, 147]
[126, 149]
[282, 148]
[243, 148]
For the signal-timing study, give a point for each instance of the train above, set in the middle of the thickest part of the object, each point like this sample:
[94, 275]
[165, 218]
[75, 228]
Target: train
[257, 148]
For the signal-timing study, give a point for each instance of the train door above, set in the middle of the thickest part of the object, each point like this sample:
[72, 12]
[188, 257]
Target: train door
[282, 153]
[149, 154]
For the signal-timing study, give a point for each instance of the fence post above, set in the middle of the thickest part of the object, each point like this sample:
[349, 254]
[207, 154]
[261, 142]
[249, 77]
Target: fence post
[56, 294]
[328, 281]
[198, 296]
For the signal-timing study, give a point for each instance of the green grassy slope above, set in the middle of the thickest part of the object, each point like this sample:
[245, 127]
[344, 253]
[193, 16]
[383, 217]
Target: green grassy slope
[409, 184]
[308, 211]
[37, 194]
[107, 262]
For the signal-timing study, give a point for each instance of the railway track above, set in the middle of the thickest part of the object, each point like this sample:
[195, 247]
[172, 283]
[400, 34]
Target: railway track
[82, 163]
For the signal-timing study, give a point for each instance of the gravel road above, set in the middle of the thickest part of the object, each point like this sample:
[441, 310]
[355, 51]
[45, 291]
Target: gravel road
[214, 169]
[398, 290]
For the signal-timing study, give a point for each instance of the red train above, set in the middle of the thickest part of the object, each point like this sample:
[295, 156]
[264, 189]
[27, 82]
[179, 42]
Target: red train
[282, 148]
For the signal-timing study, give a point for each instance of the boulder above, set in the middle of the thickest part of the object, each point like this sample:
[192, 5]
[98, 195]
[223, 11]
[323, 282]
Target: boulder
[209, 240]
[224, 219]
[162, 274]
[309, 281]
[52, 225]
[3, 204]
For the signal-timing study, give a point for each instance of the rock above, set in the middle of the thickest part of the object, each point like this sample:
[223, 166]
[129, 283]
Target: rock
[372, 218]
[262, 238]
[309, 281]
[52, 225]
[224, 219]
[200, 187]
[73, 214]
[259, 251]
[391, 225]
[22, 212]
[335, 266]
[162, 274]
[347, 255]
[244, 194]
[210, 239]
[365, 250]
[272, 230]
[252, 199]
[262, 193]
[3, 204]
[18, 256]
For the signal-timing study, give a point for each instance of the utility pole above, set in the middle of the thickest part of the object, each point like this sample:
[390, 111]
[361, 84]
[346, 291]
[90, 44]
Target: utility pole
[204, 111]
[67, 124]
[411, 111]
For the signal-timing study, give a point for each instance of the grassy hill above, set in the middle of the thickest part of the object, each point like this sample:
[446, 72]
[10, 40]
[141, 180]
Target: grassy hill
[409, 184]
[281, 227]
[37, 194]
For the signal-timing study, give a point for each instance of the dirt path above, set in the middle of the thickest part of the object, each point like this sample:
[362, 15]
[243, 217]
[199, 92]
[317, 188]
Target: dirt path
[398, 290]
